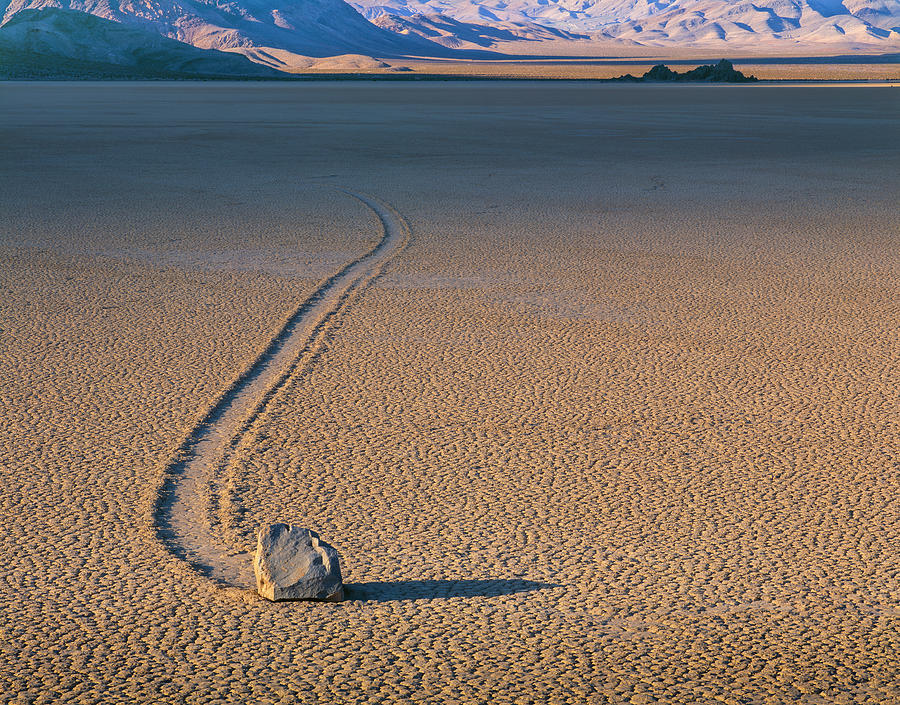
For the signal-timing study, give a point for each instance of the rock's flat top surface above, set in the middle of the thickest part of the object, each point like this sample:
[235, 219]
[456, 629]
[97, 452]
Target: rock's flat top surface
[292, 563]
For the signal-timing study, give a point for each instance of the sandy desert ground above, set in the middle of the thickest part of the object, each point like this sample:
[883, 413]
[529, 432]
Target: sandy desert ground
[604, 60]
[588, 69]
[619, 424]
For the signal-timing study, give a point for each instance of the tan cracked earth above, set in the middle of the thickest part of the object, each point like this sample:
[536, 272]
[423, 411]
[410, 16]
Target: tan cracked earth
[619, 425]
[188, 514]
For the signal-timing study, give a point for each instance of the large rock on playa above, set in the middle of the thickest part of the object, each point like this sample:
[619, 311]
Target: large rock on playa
[293, 563]
[724, 71]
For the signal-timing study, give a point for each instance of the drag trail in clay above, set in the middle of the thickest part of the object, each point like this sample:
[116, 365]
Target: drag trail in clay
[186, 514]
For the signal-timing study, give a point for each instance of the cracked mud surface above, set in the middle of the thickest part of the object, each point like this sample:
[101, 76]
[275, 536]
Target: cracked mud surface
[188, 514]
[585, 440]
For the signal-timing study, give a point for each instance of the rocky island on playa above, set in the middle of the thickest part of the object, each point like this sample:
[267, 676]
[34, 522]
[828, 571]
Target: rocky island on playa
[722, 72]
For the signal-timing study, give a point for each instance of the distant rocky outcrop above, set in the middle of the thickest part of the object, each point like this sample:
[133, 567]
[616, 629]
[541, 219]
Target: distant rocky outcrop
[722, 72]
[293, 563]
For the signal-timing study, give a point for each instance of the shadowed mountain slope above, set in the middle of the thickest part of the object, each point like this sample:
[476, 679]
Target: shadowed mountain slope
[454, 33]
[301, 28]
[65, 43]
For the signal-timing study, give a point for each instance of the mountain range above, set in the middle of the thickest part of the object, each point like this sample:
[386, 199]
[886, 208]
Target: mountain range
[258, 38]
[663, 22]
[56, 42]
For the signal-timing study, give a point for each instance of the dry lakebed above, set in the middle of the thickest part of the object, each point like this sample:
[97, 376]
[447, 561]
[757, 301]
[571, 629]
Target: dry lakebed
[597, 394]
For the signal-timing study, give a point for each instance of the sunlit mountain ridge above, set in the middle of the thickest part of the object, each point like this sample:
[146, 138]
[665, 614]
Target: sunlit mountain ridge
[666, 22]
[300, 35]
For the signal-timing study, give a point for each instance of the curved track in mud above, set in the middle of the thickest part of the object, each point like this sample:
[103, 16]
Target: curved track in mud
[185, 514]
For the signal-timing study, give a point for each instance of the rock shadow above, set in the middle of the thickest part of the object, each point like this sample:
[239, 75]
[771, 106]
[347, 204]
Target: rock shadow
[398, 590]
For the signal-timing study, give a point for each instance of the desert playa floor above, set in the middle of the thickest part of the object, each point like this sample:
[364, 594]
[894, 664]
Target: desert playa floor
[620, 423]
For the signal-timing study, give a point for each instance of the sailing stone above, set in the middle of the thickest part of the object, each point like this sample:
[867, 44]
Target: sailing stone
[293, 563]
